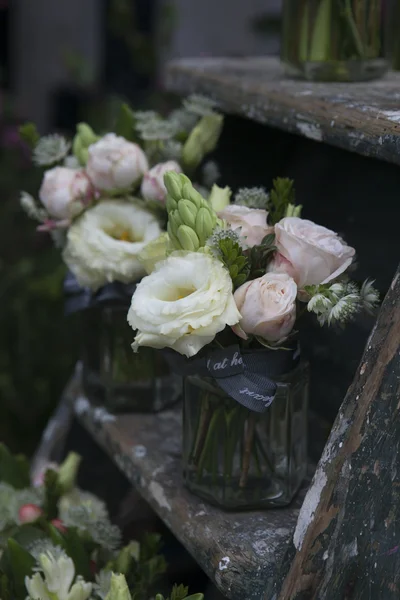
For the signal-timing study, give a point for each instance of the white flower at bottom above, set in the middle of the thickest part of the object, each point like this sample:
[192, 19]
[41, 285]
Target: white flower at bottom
[183, 304]
[103, 244]
[59, 574]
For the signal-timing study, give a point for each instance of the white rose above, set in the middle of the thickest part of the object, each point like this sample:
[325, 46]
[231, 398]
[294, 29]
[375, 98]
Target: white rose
[252, 221]
[115, 164]
[183, 304]
[313, 253]
[65, 192]
[103, 244]
[153, 187]
[268, 306]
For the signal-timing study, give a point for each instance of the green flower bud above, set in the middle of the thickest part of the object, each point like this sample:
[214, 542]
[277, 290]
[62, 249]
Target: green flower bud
[68, 471]
[219, 197]
[84, 138]
[188, 239]
[118, 589]
[174, 182]
[170, 203]
[127, 555]
[202, 140]
[204, 225]
[188, 212]
[172, 236]
[86, 134]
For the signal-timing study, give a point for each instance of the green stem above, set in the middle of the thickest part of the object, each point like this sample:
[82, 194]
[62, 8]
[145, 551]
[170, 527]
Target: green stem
[248, 445]
[320, 41]
[348, 11]
[204, 420]
[263, 453]
[208, 445]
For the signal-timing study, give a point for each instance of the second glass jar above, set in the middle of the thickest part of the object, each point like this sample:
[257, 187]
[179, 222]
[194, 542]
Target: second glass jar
[334, 40]
[116, 377]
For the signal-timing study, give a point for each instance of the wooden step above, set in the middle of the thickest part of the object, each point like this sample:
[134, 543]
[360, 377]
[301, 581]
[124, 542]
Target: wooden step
[242, 553]
[361, 117]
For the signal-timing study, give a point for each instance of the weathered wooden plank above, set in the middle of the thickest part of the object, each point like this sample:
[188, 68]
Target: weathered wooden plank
[361, 117]
[240, 552]
[348, 533]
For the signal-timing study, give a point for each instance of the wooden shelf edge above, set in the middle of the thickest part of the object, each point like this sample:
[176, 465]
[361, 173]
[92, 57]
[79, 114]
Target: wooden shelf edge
[359, 117]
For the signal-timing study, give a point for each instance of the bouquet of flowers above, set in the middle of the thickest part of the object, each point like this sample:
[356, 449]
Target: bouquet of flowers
[57, 541]
[102, 198]
[226, 301]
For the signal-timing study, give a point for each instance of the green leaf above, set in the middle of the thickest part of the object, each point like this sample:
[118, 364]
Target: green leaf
[14, 470]
[268, 240]
[22, 563]
[29, 134]
[179, 592]
[75, 549]
[280, 197]
[53, 491]
[5, 587]
[195, 597]
[126, 123]
[28, 534]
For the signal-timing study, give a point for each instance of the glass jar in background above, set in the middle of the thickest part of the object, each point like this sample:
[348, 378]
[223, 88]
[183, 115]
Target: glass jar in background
[239, 459]
[116, 377]
[394, 33]
[334, 40]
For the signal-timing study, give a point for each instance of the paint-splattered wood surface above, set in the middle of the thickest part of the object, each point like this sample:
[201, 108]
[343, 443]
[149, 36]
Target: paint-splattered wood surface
[241, 552]
[348, 533]
[361, 117]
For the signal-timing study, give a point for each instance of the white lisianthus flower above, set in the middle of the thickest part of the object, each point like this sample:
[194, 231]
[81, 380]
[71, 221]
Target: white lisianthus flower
[183, 304]
[59, 574]
[115, 164]
[153, 187]
[103, 244]
[65, 192]
[309, 253]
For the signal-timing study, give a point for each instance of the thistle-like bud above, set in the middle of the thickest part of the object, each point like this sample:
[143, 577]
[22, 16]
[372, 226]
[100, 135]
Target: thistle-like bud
[202, 140]
[84, 137]
[191, 219]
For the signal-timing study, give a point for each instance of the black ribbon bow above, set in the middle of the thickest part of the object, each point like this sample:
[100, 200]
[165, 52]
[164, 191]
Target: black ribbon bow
[247, 376]
[79, 298]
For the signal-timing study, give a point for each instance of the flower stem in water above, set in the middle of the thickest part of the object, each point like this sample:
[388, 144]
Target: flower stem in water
[248, 446]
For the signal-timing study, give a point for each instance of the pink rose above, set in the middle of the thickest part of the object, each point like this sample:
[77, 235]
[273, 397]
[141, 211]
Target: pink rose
[65, 192]
[252, 221]
[309, 253]
[153, 187]
[267, 306]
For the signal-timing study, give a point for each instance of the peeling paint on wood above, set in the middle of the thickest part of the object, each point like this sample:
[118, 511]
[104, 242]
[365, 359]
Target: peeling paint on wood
[361, 117]
[349, 549]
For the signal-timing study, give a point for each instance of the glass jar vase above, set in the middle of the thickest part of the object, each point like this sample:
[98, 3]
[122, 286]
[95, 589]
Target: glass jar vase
[239, 459]
[116, 377]
[334, 40]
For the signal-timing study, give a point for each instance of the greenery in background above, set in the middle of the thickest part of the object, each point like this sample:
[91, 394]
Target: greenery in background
[57, 541]
[38, 346]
